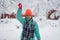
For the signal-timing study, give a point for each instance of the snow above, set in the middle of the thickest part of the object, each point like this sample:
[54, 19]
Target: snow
[49, 29]
[10, 29]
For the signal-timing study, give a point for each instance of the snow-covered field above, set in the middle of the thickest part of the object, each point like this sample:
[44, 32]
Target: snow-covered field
[49, 29]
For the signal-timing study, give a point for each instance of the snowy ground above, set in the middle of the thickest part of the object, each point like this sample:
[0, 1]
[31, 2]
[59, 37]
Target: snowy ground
[49, 29]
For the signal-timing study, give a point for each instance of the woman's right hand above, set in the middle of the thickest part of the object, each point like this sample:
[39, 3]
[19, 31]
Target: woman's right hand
[20, 5]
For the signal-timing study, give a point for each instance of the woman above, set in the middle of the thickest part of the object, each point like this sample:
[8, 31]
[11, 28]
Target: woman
[30, 27]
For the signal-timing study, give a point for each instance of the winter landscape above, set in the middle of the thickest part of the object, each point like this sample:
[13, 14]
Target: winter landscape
[49, 26]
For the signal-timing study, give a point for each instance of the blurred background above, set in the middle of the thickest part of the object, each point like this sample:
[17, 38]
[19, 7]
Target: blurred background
[47, 15]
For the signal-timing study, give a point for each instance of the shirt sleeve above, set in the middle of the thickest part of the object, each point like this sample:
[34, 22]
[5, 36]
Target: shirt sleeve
[19, 15]
[37, 31]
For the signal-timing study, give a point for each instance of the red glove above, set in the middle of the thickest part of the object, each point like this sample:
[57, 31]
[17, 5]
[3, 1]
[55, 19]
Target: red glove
[20, 5]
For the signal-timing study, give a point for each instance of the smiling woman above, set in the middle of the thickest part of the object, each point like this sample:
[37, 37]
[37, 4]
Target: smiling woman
[30, 27]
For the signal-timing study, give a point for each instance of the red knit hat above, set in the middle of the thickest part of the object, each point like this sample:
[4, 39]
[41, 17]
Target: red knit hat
[28, 12]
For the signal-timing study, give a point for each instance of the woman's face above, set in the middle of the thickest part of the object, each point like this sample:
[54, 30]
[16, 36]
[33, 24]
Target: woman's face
[28, 17]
